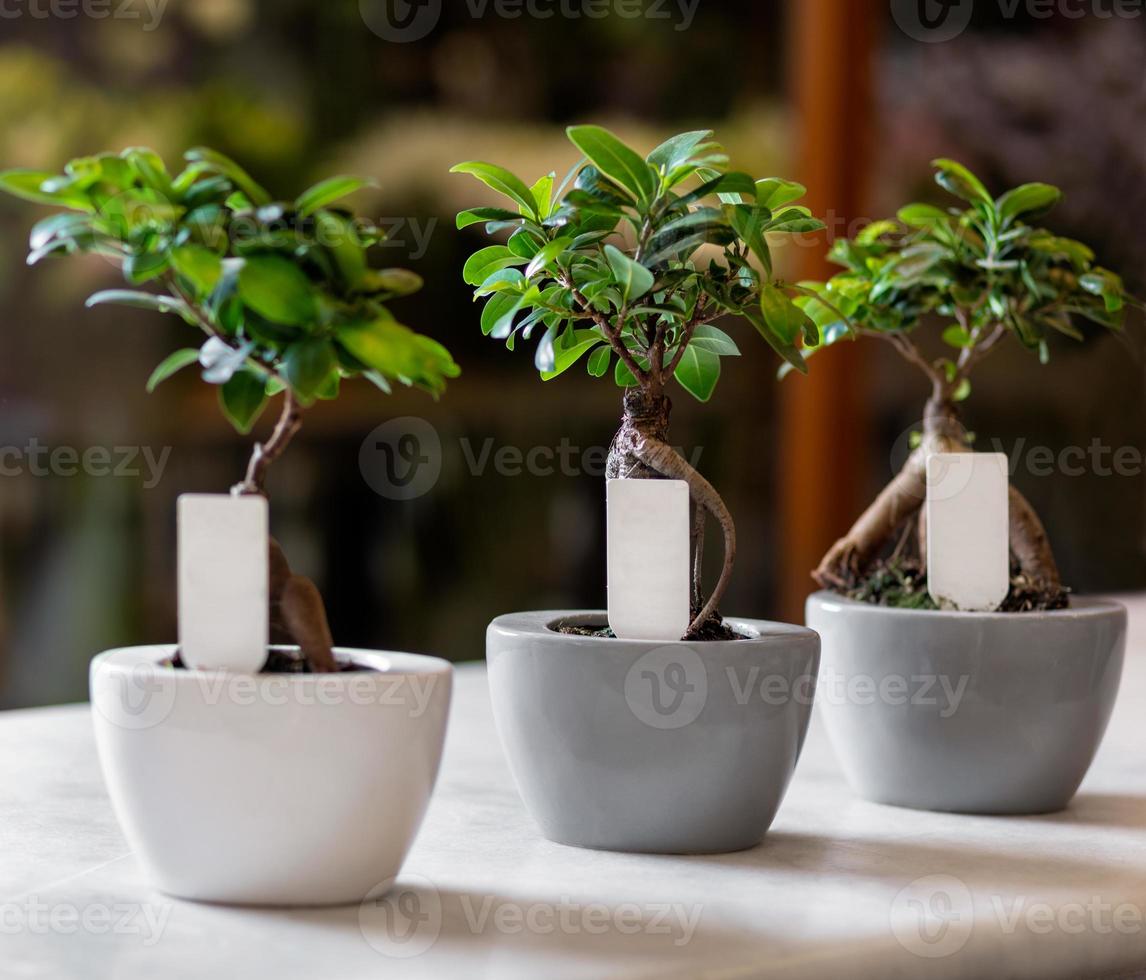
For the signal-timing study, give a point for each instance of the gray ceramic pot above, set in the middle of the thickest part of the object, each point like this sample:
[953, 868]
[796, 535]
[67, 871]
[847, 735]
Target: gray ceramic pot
[967, 712]
[681, 748]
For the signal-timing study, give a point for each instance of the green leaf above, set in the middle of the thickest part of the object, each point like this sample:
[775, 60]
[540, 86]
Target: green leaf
[1028, 200]
[243, 399]
[598, 364]
[873, 232]
[683, 236]
[634, 279]
[956, 178]
[614, 159]
[486, 261]
[27, 185]
[497, 316]
[748, 222]
[278, 290]
[957, 337]
[698, 372]
[171, 365]
[545, 256]
[502, 181]
[542, 193]
[232, 171]
[396, 282]
[397, 352]
[783, 317]
[308, 366]
[923, 216]
[475, 216]
[714, 340]
[341, 240]
[788, 351]
[677, 150]
[145, 301]
[144, 267]
[201, 267]
[774, 192]
[963, 392]
[794, 221]
[326, 192]
[151, 169]
[66, 225]
[569, 349]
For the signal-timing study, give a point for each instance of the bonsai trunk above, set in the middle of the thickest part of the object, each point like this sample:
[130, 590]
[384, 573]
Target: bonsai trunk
[640, 451]
[297, 611]
[850, 558]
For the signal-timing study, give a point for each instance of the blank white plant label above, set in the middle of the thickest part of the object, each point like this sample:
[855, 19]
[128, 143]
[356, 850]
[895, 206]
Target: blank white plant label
[223, 582]
[968, 549]
[648, 559]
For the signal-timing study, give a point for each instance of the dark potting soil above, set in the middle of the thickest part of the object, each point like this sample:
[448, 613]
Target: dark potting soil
[902, 584]
[712, 632]
[281, 662]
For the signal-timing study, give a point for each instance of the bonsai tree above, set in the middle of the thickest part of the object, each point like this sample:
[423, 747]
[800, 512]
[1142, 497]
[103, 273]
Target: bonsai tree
[986, 275]
[282, 293]
[625, 265]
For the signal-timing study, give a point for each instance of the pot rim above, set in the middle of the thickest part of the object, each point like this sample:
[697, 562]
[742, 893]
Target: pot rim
[382, 663]
[539, 623]
[1081, 607]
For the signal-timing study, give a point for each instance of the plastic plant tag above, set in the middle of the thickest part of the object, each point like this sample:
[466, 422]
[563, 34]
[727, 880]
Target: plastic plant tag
[648, 559]
[968, 551]
[223, 582]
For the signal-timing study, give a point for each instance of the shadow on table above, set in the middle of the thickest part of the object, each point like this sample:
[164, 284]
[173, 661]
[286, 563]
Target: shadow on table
[1005, 866]
[417, 924]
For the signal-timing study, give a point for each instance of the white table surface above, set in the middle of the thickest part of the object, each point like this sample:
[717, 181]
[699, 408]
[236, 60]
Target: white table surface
[1052, 896]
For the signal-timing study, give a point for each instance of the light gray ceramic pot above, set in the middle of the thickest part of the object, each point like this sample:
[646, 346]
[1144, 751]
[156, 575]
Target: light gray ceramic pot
[682, 748]
[967, 712]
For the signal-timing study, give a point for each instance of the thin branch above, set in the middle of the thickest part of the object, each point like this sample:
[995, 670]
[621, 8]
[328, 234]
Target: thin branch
[613, 336]
[263, 455]
[973, 355]
[912, 354]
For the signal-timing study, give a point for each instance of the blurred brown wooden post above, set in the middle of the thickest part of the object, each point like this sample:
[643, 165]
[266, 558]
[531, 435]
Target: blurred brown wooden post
[823, 416]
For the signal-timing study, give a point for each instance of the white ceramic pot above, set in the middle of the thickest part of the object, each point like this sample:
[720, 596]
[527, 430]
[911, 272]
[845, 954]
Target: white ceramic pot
[270, 789]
